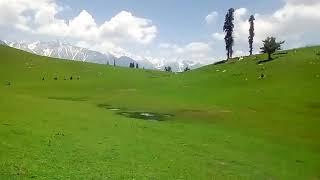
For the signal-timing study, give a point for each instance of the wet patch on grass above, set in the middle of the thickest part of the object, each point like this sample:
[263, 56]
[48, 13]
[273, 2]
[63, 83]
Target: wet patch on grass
[69, 98]
[137, 114]
[145, 115]
[108, 107]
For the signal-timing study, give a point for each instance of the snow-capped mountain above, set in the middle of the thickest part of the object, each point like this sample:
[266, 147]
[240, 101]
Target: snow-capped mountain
[176, 66]
[179, 66]
[2, 43]
[64, 51]
[67, 51]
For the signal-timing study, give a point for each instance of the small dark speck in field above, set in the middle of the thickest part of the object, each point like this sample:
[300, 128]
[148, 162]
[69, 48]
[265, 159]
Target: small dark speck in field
[299, 161]
[6, 124]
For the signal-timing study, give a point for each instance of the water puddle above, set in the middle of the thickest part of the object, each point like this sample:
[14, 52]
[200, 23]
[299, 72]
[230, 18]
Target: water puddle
[145, 115]
[137, 114]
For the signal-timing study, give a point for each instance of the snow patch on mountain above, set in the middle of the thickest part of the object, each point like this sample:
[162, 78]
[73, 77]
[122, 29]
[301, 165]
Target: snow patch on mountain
[3, 43]
[62, 50]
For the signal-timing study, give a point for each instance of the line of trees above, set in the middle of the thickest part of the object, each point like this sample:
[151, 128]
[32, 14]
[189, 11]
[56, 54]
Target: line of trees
[270, 45]
[168, 69]
[132, 65]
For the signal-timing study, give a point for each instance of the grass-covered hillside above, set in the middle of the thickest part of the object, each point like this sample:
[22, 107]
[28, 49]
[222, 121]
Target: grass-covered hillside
[217, 122]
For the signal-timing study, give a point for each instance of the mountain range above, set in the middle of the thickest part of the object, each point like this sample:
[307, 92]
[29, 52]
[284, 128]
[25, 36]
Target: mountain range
[68, 51]
[2, 43]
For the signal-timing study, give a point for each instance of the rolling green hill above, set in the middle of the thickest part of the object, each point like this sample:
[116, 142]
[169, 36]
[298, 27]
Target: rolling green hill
[217, 122]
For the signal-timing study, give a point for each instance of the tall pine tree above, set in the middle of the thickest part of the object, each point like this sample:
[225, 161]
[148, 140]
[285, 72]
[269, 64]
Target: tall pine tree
[251, 33]
[228, 29]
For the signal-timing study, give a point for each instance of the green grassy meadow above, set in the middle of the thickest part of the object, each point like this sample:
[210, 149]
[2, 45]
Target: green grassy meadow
[225, 122]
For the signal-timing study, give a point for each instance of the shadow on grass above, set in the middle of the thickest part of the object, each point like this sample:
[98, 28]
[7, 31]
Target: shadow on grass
[267, 60]
[220, 62]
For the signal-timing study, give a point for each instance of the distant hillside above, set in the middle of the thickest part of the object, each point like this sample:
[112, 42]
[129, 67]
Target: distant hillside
[223, 121]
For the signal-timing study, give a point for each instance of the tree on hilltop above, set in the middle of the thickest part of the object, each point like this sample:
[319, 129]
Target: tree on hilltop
[251, 33]
[270, 46]
[228, 29]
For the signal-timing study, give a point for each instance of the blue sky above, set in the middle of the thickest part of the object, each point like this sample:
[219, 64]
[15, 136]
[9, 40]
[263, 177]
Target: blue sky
[160, 31]
[178, 21]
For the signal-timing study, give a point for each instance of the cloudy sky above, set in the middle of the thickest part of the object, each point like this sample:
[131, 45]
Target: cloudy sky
[166, 30]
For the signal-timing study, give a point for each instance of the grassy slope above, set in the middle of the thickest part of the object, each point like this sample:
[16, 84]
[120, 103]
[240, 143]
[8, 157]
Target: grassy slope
[227, 123]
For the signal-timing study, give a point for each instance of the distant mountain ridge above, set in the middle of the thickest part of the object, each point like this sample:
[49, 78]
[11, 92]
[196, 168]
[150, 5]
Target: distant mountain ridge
[62, 50]
[67, 51]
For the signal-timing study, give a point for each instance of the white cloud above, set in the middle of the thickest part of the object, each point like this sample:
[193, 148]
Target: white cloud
[211, 18]
[198, 47]
[218, 36]
[307, 2]
[39, 17]
[129, 27]
[197, 51]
